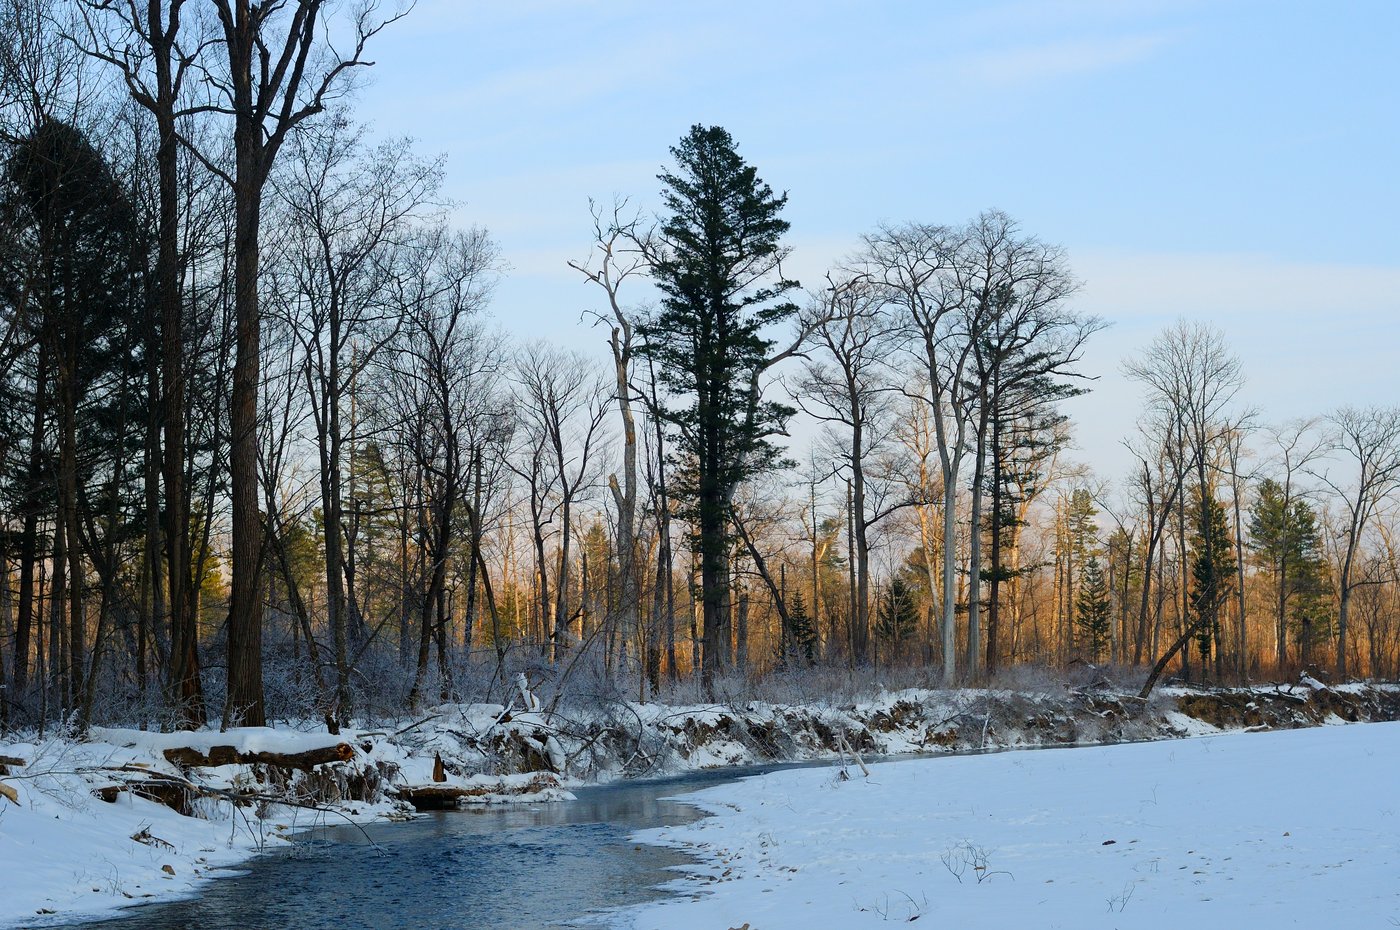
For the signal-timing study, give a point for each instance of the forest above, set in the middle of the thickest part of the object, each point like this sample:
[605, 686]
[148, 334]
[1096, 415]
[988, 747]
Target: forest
[269, 454]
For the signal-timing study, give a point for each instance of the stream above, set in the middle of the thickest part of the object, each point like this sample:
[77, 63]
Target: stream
[506, 867]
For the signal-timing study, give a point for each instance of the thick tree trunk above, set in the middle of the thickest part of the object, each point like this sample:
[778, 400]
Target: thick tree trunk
[475, 532]
[714, 586]
[995, 571]
[1149, 555]
[950, 577]
[625, 499]
[184, 686]
[245, 682]
[974, 550]
[860, 616]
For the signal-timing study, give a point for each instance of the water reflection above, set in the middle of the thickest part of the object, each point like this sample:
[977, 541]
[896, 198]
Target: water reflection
[506, 868]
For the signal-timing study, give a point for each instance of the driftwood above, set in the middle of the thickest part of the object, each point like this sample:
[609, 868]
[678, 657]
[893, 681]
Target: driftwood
[176, 794]
[229, 755]
[441, 797]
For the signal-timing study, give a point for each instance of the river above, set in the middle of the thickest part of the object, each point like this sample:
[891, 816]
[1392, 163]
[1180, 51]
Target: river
[509, 867]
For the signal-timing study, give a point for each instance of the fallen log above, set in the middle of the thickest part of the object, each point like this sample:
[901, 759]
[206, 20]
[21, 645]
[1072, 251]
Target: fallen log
[7, 761]
[190, 757]
[442, 797]
[178, 795]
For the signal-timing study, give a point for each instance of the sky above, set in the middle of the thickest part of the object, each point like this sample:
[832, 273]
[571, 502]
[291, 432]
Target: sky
[1232, 161]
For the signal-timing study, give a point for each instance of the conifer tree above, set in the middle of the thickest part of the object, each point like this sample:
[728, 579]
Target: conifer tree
[1093, 608]
[801, 630]
[719, 271]
[84, 315]
[897, 619]
[1288, 544]
[1212, 571]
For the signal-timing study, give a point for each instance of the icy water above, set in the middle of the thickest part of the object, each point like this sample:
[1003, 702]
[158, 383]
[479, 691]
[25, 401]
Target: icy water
[504, 868]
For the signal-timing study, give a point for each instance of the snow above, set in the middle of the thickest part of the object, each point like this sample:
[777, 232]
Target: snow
[67, 853]
[242, 739]
[1292, 828]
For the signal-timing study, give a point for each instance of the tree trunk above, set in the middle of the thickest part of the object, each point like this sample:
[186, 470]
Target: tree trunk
[245, 685]
[329, 446]
[741, 633]
[974, 549]
[1166, 658]
[950, 576]
[714, 584]
[994, 580]
[29, 534]
[860, 604]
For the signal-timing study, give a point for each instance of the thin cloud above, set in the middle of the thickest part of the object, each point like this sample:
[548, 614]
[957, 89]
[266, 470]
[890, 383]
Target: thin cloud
[1034, 63]
[1125, 285]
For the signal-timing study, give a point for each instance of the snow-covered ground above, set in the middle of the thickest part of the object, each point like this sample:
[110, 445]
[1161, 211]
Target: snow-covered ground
[1238, 830]
[67, 852]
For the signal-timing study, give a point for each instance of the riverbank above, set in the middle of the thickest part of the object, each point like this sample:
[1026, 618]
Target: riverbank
[125, 816]
[1233, 830]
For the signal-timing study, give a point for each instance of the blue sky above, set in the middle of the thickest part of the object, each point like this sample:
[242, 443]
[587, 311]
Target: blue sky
[1232, 160]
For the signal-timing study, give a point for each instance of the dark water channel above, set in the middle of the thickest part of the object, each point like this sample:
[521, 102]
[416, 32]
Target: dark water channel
[504, 868]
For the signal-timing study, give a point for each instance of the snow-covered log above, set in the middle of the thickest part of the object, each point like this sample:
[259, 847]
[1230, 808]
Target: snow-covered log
[191, 757]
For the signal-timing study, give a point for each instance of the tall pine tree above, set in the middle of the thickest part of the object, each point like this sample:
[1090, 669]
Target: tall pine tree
[1212, 572]
[1288, 544]
[1093, 609]
[719, 271]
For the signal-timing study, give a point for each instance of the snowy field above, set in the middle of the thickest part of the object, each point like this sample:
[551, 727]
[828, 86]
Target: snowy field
[1282, 829]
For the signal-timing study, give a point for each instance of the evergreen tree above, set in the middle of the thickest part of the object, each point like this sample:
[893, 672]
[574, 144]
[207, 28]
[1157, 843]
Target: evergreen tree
[1288, 543]
[84, 313]
[1310, 617]
[1093, 608]
[1023, 438]
[897, 619]
[802, 630]
[1074, 542]
[719, 272]
[1212, 570]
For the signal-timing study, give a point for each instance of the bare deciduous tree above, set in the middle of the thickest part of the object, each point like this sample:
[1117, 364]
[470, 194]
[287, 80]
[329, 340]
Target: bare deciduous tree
[344, 209]
[278, 74]
[1369, 439]
[1192, 379]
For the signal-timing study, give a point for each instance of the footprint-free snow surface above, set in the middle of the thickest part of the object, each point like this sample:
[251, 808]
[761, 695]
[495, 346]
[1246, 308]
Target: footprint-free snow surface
[1282, 829]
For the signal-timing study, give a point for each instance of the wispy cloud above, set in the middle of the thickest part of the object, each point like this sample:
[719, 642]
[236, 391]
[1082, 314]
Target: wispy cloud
[1311, 336]
[1034, 63]
[1237, 286]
